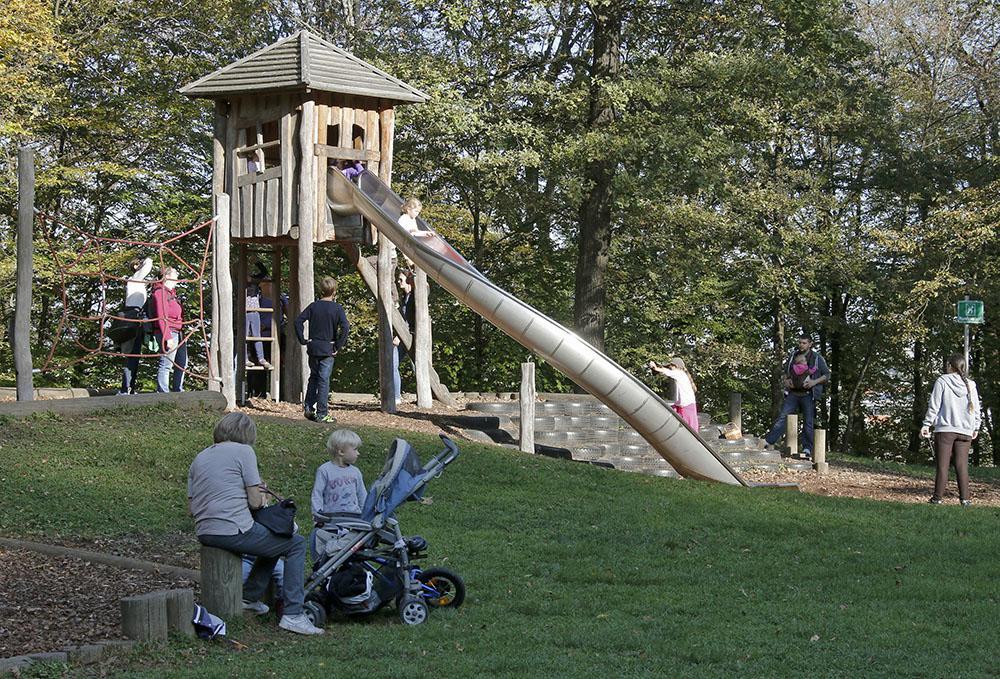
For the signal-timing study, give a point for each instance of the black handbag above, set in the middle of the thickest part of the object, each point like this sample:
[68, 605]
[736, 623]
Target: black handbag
[278, 518]
[125, 328]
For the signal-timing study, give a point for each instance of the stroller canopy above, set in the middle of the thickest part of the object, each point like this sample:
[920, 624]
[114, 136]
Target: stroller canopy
[402, 478]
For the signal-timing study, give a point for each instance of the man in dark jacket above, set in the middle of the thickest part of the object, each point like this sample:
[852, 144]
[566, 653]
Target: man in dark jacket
[328, 331]
[803, 398]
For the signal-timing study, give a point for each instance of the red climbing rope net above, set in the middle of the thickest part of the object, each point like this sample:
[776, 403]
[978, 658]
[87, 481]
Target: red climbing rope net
[70, 266]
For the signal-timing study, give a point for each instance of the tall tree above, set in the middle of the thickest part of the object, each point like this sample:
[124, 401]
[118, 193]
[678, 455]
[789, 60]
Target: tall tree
[599, 175]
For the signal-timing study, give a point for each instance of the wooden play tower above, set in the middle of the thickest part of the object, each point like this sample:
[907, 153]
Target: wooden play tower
[284, 117]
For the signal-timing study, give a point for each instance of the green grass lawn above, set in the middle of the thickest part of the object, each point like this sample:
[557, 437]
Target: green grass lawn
[572, 570]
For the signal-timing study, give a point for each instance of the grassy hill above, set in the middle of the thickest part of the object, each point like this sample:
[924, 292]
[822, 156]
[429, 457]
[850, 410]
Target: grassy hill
[572, 570]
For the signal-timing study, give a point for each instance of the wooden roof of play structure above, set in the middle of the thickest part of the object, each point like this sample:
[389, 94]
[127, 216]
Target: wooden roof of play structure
[302, 62]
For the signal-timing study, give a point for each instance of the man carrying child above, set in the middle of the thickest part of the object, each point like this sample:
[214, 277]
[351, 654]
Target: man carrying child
[804, 376]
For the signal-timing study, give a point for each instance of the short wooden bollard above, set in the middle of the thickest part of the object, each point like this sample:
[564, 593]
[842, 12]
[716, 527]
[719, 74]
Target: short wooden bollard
[792, 434]
[526, 436]
[221, 582]
[736, 409]
[144, 618]
[819, 454]
[180, 611]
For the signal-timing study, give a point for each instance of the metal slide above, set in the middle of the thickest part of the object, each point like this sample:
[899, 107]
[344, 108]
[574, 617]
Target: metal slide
[634, 402]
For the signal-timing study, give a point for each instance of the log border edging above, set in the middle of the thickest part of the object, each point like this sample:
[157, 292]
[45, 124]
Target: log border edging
[98, 557]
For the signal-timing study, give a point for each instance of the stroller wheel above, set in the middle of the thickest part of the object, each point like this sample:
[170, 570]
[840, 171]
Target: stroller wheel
[442, 588]
[413, 611]
[315, 612]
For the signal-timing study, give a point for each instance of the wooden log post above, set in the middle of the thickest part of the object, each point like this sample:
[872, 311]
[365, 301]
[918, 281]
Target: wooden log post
[424, 343]
[275, 386]
[240, 322]
[295, 354]
[25, 271]
[384, 274]
[736, 409]
[792, 434]
[218, 188]
[387, 398]
[223, 285]
[144, 617]
[221, 582]
[819, 451]
[180, 611]
[307, 218]
[527, 426]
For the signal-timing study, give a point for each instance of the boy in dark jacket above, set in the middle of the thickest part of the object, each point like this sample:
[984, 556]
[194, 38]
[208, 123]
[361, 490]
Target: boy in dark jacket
[328, 330]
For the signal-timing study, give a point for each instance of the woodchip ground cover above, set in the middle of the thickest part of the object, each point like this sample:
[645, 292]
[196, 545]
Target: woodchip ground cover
[572, 570]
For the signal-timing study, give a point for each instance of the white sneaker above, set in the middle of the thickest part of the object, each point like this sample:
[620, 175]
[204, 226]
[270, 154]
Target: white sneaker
[299, 624]
[258, 607]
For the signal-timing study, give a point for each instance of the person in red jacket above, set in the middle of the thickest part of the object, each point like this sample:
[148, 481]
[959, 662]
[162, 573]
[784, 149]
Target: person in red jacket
[166, 314]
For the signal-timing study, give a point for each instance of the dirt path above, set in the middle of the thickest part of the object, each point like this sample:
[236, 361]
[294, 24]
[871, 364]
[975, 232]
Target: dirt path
[845, 480]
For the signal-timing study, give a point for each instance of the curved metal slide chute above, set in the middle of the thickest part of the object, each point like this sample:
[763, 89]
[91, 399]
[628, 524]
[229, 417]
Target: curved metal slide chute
[634, 402]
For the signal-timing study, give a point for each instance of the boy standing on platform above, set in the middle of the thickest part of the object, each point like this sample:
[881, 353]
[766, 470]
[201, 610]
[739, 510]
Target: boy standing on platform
[328, 331]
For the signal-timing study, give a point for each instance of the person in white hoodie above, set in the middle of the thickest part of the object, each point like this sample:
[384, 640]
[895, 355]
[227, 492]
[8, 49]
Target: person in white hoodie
[955, 414]
[135, 302]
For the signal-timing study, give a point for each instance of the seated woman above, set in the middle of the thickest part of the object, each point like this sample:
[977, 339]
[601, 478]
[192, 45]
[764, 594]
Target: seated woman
[223, 486]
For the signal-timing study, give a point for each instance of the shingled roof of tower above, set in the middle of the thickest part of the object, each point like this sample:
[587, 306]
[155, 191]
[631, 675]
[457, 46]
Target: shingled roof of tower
[300, 62]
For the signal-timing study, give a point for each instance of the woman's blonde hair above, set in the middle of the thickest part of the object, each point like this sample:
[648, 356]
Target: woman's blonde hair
[411, 202]
[235, 427]
[340, 440]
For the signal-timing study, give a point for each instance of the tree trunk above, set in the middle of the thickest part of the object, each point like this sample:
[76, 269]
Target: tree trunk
[855, 419]
[595, 212]
[919, 398]
[838, 313]
[778, 367]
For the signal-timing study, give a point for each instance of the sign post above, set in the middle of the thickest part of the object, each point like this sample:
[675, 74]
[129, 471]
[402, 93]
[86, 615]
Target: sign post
[967, 312]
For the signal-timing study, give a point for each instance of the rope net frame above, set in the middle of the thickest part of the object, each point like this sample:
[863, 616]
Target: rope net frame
[94, 245]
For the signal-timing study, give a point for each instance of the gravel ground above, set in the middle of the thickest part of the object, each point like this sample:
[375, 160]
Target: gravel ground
[48, 602]
[367, 414]
[847, 481]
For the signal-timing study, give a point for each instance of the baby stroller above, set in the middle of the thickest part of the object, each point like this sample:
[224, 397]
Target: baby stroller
[364, 561]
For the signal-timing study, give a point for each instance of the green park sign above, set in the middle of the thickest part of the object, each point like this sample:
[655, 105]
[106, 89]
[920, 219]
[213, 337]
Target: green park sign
[969, 311]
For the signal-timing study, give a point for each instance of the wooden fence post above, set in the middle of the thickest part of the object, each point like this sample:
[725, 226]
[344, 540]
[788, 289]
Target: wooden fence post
[792, 434]
[25, 270]
[819, 452]
[736, 409]
[527, 428]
